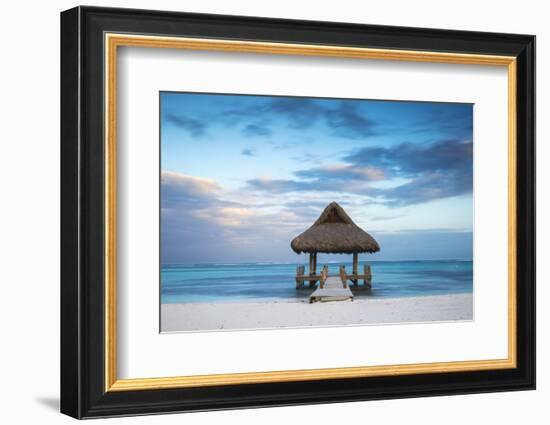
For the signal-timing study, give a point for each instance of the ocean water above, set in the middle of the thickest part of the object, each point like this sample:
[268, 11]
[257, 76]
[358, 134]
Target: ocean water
[207, 283]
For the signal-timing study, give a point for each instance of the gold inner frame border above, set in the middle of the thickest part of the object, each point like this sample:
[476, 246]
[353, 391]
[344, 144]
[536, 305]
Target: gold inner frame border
[113, 40]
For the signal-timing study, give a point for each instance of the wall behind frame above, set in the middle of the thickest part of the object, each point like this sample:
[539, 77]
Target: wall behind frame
[29, 217]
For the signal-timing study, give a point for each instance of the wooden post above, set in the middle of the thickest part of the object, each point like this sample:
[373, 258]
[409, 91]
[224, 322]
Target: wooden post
[324, 275]
[355, 267]
[343, 276]
[311, 273]
[314, 263]
[299, 274]
[368, 277]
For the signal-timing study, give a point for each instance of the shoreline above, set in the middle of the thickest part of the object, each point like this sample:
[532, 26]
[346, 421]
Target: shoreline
[298, 313]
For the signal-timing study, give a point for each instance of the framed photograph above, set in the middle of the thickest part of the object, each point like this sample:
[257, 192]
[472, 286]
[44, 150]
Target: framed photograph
[261, 212]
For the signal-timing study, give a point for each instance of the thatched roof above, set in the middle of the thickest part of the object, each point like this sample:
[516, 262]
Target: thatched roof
[334, 232]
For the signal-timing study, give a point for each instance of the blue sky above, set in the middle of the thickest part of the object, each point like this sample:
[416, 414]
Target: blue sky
[242, 175]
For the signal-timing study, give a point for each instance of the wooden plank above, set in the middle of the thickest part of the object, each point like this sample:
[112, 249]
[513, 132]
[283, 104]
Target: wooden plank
[332, 290]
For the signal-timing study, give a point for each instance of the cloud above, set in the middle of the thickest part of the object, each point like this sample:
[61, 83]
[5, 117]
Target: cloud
[266, 116]
[424, 173]
[343, 172]
[255, 130]
[233, 216]
[248, 151]
[411, 159]
[205, 199]
[199, 222]
[299, 112]
[427, 187]
[280, 185]
[185, 236]
[192, 192]
[348, 122]
[195, 127]
[342, 118]
[316, 185]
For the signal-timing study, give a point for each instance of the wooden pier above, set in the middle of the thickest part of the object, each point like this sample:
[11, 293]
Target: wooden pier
[333, 289]
[354, 278]
[334, 232]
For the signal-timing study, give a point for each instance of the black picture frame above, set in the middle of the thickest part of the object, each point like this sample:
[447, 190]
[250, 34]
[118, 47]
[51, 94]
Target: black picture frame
[83, 392]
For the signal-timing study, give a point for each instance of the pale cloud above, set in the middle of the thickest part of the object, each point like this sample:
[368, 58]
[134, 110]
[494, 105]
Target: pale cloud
[344, 172]
[227, 216]
[190, 184]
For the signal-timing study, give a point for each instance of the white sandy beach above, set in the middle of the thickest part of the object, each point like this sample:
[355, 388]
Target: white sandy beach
[265, 315]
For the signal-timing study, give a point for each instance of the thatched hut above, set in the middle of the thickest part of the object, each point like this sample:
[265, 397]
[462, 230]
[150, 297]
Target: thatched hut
[334, 232]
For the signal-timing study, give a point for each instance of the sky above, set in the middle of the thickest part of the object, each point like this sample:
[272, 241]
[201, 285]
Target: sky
[242, 175]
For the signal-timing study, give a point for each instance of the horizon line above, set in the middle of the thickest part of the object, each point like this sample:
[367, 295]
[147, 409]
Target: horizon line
[267, 263]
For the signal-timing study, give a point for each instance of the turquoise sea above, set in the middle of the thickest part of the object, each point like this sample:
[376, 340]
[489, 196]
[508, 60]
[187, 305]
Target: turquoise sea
[207, 283]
